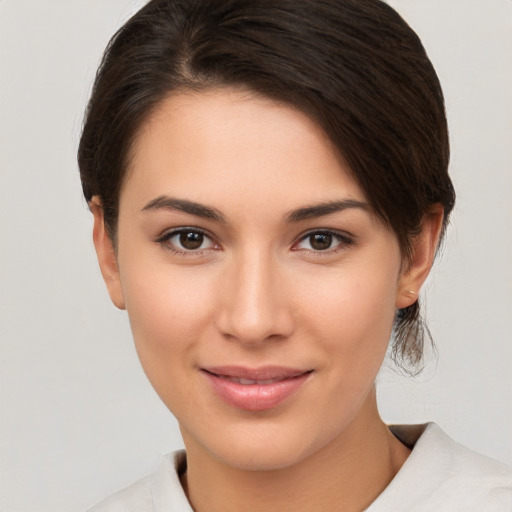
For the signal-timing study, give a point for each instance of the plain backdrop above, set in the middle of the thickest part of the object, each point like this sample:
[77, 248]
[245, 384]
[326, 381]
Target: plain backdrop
[78, 419]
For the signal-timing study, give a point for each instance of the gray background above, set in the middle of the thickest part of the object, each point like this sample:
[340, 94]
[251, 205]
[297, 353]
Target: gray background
[78, 419]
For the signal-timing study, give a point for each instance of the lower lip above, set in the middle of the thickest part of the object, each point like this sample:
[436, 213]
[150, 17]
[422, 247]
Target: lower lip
[255, 397]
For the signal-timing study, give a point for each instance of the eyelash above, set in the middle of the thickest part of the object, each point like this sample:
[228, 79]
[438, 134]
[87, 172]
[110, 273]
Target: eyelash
[343, 242]
[165, 241]
[343, 239]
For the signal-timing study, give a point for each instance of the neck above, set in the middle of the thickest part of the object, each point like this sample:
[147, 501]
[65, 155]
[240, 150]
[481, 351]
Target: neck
[348, 474]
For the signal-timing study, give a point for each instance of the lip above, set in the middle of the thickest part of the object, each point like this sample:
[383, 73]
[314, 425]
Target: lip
[255, 389]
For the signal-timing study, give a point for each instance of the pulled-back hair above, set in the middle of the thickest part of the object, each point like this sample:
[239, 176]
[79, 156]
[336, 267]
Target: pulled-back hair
[353, 66]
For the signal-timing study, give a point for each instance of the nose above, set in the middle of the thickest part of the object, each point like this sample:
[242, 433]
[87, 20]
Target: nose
[255, 305]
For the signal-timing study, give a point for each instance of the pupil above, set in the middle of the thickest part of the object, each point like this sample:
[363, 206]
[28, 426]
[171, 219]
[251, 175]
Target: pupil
[321, 241]
[191, 240]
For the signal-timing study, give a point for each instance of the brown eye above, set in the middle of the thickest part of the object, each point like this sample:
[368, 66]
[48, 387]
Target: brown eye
[191, 240]
[187, 240]
[324, 241]
[320, 241]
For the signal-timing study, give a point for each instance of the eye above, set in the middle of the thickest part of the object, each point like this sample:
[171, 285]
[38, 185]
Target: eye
[185, 240]
[319, 241]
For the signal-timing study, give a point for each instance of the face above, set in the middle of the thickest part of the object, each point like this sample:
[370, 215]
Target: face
[260, 287]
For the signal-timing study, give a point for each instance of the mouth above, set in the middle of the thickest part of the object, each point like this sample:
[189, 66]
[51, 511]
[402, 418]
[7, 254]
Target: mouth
[249, 382]
[255, 389]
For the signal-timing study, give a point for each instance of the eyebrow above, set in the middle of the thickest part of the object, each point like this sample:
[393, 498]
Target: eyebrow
[206, 212]
[321, 209]
[182, 205]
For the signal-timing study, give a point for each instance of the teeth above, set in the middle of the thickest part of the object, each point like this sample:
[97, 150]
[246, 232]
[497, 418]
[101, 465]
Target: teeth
[248, 382]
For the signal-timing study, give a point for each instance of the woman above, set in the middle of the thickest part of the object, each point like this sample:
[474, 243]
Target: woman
[269, 187]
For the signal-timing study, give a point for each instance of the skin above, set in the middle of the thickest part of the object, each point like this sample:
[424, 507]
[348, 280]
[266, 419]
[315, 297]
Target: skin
[259, 292]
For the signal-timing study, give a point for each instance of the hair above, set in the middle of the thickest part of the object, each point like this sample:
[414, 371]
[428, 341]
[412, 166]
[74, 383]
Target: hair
[354, 66]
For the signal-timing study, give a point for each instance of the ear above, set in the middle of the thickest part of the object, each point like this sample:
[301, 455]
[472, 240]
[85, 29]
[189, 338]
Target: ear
[423, 252]
[106, 254]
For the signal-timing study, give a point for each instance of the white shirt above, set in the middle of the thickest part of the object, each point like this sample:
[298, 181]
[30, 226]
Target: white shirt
[440, 475]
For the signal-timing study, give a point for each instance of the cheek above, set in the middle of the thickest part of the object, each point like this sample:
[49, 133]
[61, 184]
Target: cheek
[168, 312]
[353, 313]
[350, 321]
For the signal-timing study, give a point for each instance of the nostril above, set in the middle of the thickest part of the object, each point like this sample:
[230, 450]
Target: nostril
[266, 326]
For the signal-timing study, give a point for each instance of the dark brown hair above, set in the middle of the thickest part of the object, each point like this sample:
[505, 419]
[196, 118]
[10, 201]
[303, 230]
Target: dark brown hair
[354, 66]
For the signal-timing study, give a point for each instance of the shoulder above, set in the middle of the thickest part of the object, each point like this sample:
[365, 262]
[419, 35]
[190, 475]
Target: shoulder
[472, 477]
[160, 491]
[136, 497]
[441, 474]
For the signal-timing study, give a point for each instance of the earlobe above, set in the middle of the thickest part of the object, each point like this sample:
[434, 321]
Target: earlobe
[106, 255]
[423, 252]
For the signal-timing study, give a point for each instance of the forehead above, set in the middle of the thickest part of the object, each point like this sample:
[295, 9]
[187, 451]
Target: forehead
[226, 143]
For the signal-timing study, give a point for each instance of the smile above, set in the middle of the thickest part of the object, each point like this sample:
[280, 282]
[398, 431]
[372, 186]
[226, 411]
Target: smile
[255, 389]
[249, 382]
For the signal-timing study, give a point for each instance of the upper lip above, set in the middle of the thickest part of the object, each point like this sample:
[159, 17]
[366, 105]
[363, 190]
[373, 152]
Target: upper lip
[256, 374]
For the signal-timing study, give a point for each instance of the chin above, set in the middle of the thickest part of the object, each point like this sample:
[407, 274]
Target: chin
[267, 447]
[261, 458]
